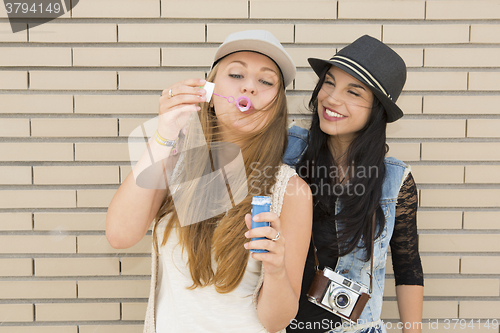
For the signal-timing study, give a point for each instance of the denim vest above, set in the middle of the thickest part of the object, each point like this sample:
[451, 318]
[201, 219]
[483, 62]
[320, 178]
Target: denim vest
[298, 138]
[352, 265]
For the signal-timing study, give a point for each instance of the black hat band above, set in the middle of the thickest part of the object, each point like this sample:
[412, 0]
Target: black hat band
[358, 69]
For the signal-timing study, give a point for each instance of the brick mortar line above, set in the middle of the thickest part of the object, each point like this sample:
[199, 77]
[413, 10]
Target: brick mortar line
[450, 298]
[127, 164]
[462, 276]
[65, 163]
[76, 279]
[144, 300]
[118, 322]
[125, 139]
[461, 186]
[290, 45]
[55, 210]
[459, 209]
[135, 93]
[52, 233]
[458, 254]
[422, 231]
[410, 116]
[66, 139]
[98, 69]
[73, 256]
[79, 187]
[71, 300]
[76, 116]
[459, 140]
[281, 21]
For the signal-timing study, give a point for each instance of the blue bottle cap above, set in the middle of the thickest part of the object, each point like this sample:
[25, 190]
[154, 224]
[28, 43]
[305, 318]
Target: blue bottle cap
[261, 200]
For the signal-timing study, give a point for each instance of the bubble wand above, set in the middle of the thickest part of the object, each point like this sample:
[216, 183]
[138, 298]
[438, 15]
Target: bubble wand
[243, 103]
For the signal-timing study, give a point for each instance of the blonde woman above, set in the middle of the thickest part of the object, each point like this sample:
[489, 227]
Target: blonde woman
[204, 278]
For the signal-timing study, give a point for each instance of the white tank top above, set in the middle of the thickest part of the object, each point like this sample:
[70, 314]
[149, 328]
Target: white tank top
[181, 310]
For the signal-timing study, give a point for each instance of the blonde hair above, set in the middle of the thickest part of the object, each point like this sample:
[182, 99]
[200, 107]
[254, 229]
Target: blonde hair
[223, 235]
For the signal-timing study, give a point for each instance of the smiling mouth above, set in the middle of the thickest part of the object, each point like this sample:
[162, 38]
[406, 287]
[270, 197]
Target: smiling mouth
[333, 114]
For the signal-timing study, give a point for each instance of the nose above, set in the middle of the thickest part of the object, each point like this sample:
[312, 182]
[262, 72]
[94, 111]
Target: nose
[335, 98]
[249, 87]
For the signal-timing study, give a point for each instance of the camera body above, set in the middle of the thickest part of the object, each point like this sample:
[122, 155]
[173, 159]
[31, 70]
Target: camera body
[337, 294]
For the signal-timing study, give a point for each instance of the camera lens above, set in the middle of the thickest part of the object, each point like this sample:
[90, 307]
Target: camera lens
[339, 298]
[342, 300]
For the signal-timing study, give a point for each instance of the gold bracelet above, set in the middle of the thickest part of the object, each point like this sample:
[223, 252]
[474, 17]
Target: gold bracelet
[164, 142]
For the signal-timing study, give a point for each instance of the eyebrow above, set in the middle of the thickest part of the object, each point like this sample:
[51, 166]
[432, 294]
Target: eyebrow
[244, 64]
[355, 85]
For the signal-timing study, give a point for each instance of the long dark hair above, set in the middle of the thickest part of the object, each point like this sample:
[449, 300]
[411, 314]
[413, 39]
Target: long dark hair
[366, 174]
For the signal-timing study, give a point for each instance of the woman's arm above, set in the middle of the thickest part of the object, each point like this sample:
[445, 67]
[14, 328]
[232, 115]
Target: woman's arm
[133, 208]
[410, 300]
[406, 258]
[284, 265]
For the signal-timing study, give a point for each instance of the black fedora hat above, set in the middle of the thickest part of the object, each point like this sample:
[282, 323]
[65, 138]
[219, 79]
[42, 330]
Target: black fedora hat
[376, 65]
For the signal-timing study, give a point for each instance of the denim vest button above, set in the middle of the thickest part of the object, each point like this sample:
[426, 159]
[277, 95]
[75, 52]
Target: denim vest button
[345, 271]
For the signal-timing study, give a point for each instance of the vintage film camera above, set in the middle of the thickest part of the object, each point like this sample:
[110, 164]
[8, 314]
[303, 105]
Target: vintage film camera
[338, 294]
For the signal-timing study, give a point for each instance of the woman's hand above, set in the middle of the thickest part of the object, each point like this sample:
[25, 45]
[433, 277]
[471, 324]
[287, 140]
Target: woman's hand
[133, 208]
[274, 260]
[278, 299]
[176, 105]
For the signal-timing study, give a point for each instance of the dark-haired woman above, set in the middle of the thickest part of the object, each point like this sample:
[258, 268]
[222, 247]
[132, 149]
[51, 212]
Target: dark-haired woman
[364, 202]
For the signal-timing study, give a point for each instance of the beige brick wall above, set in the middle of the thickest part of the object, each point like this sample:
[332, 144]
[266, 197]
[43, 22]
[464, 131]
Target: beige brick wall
[72, 90]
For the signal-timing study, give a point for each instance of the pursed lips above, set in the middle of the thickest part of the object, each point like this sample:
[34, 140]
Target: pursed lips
[249, 111]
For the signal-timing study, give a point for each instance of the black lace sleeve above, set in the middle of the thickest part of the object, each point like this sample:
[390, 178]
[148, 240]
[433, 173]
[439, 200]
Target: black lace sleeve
[404, 242]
